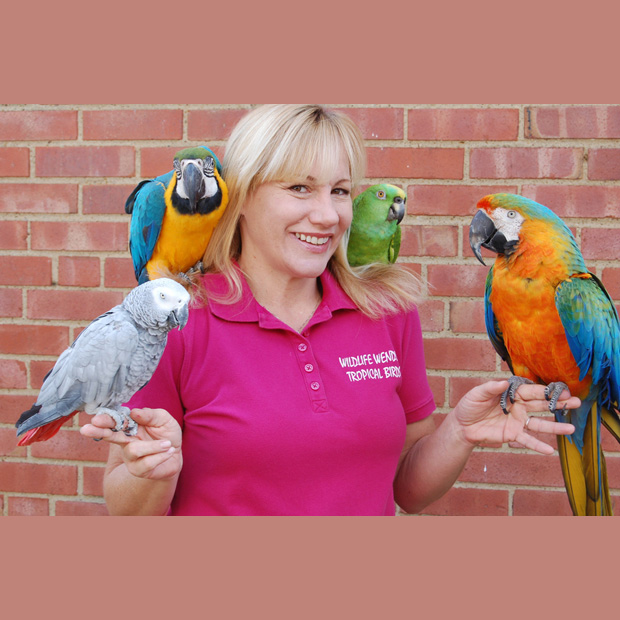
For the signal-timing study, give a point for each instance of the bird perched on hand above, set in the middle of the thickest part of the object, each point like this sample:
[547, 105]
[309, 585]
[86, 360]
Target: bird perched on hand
[375, 233]
[113, 358]
[553, 323]
[174, 215]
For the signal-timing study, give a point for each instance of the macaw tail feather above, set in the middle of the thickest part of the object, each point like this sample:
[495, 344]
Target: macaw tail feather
[43, 433]
[585, 474]
[611, 422]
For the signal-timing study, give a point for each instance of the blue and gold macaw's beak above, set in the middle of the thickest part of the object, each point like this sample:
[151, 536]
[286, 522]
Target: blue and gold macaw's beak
[193, 181]
[397, 210]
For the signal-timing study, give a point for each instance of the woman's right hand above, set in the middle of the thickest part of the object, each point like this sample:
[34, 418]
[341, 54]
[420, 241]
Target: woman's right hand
[154, 453]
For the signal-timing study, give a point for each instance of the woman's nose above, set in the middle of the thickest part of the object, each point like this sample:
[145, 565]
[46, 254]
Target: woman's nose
[324, 210]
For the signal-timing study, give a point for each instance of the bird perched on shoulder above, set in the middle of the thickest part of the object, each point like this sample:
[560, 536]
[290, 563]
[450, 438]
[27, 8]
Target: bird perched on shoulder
[173, 216]
[113, 358]
[553, 323]
[375, 233]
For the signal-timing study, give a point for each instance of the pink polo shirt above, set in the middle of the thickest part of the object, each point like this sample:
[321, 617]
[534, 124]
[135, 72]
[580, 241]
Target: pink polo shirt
[280, 423]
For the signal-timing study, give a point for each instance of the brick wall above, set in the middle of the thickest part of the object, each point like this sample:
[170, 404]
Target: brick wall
[65, 172]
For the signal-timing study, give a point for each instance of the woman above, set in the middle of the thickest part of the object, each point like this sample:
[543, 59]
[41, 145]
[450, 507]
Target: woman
[298, 386]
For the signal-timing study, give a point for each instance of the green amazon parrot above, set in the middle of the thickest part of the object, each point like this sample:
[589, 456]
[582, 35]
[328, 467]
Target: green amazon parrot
[173, 216]
[375, 233]
[553, 323]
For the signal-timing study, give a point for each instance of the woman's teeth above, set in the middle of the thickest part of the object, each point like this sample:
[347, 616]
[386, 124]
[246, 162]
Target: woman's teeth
[312, 240]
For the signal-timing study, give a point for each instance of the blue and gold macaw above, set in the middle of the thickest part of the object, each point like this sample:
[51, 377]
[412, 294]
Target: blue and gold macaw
[173, 216]
[553, 323]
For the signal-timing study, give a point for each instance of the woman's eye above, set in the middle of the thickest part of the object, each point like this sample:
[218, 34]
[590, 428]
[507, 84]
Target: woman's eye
[302, 189]
[341, 191]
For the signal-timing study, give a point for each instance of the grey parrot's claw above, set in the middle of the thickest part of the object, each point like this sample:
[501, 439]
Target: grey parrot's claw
[552, 395]
[511, 392]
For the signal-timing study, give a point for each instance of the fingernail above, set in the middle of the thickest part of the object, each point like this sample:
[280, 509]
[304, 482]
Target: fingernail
[165, 445]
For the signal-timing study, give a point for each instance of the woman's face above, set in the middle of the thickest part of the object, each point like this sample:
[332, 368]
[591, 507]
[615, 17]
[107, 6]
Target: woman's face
[293, 228]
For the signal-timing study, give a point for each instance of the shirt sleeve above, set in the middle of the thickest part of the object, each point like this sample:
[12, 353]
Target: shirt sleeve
[415, 393]
[162, 391]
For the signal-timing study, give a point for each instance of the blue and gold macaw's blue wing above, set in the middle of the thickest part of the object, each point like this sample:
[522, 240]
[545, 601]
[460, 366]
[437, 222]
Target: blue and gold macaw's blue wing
[147, 206]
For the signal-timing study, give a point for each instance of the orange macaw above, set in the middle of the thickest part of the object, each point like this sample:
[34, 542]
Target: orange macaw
[553, 323]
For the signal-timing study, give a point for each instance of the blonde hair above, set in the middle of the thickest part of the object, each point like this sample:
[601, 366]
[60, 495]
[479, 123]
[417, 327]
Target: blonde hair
[287, 141]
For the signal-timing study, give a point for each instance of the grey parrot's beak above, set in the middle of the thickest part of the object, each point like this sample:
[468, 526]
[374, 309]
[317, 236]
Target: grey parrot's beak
[194, 183]
[178, 318]
[397, 210]
[481, 231]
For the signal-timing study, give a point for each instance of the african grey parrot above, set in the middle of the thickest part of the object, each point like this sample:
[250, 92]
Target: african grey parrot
[113, 358]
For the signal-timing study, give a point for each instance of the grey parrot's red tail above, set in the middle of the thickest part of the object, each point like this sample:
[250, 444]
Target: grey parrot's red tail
[40, 433]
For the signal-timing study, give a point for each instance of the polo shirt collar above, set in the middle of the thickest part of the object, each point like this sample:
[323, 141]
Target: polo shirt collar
[248, 310]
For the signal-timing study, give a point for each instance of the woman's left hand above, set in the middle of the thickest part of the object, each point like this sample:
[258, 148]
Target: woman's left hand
[483, 423]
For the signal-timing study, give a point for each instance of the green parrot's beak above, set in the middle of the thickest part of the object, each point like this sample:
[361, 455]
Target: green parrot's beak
[481, 232]
[397, 210]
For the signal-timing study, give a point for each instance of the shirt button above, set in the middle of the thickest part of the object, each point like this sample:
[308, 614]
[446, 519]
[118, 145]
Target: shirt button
[309, 367]
[303, 348]
[315, 386]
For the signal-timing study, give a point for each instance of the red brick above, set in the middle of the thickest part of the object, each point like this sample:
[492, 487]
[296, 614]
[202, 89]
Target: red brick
[421, 163]
[105, 198]
[38, 125]
[33, 339]
[93, 481]
[38, 371]
[378, 123]
[467, 317]
[438, 387]
[212, 124]
[31, 478]
[457, 280]
[12, 406]
[459, 354]
[471, 503]
[459, 386]
[611, 280]
[12, 374]
[429, 241]
[526, 163]
[79, 271]
[14, 236]
[133, 124]
[590, 201]
[14, 161]
[155, 161]
[26, 270]
[527, 503]
[450, 199]
[28, 507]
[600, 243]
[604, 164]
[432, 315]
[8, 441]
[70, 445]
[11, 303]
[38, 198]
[523, 469]
[80, 509]
[80, 236]
[85, 161]
[74, 305]
[596, 121]
[463, 124]
[119, 273]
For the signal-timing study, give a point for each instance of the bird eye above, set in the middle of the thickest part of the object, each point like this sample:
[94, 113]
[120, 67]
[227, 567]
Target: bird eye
[512, 214]
[381, 195]
[162, 295]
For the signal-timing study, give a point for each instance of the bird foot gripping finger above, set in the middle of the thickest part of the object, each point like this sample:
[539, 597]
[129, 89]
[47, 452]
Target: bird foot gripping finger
[124, 422]
[511, 392]
[553, 393]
